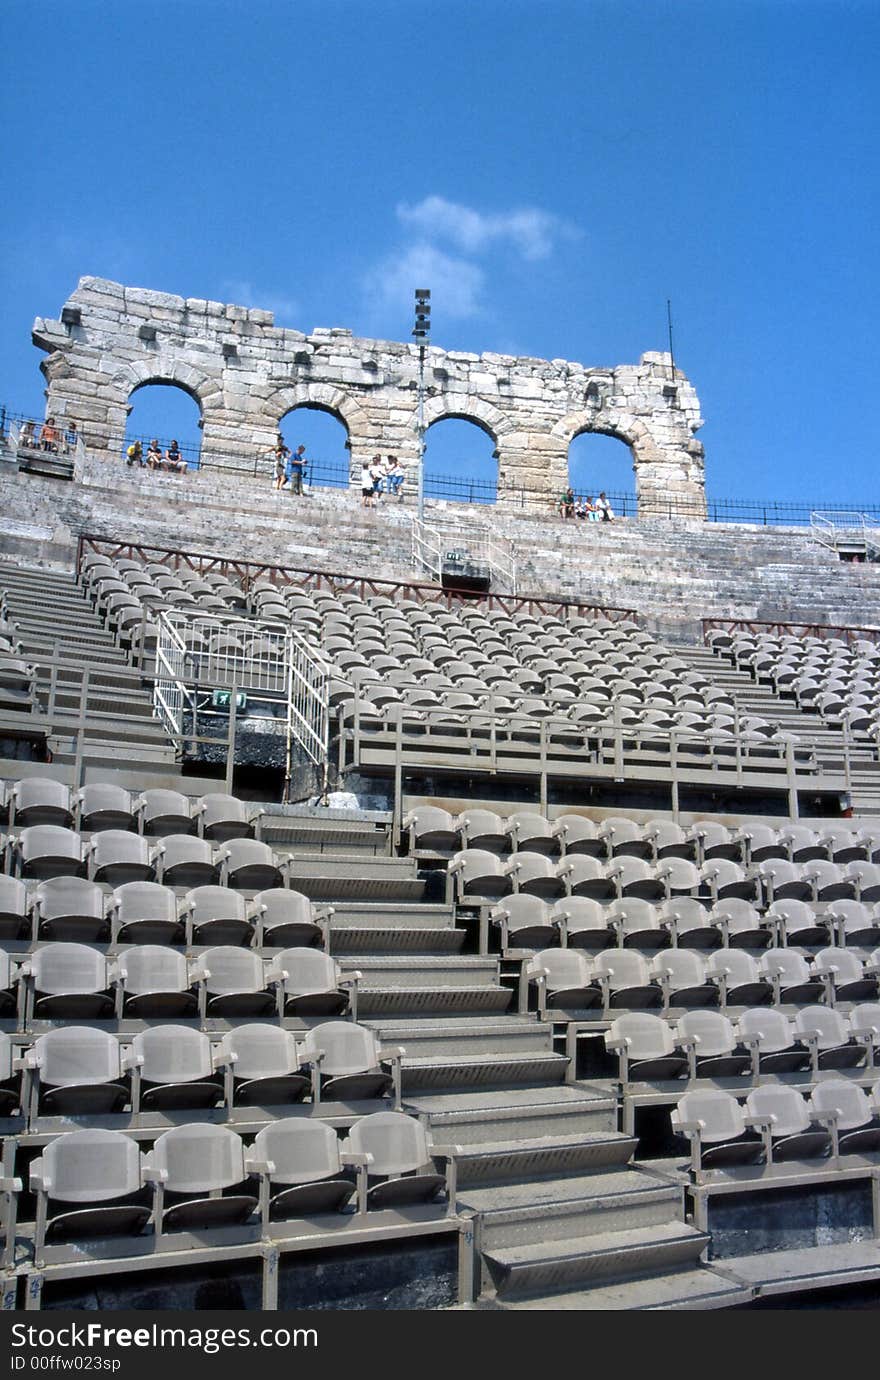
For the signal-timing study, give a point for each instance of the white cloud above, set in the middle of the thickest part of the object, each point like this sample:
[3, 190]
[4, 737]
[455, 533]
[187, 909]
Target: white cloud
[457, 283]
[531, 232]
[242, 293]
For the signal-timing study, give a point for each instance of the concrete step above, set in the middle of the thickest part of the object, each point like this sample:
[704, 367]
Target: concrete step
[351, 939]
[433, 1001]
[384, 915]
[545, 1268]
[530, 1118]
[579, 1205]
[481, 1071]
[338, 879]
[388, 972]
[463, 1036]
[688, 1290]
[494, 1163]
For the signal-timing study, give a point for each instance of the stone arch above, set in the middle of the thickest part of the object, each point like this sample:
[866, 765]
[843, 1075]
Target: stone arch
[326, 398]
[203, 389]
[467, 409]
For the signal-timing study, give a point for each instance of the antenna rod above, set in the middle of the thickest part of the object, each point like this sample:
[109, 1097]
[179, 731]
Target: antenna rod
[669, 326]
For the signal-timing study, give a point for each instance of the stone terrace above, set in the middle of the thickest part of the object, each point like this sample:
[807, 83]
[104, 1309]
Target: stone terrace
[673, 572]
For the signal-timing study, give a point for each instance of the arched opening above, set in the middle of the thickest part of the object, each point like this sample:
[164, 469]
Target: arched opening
[163, 411]
[599, 463]
[325, 437]
[461, 461]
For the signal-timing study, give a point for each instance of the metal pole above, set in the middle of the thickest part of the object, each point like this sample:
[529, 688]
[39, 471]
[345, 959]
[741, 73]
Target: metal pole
[669, 327]
[420, 428]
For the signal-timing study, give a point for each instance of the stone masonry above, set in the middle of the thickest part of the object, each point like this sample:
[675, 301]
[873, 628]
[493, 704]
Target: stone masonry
[245, 373]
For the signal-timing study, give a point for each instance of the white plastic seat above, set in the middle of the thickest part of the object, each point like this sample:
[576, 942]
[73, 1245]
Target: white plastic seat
[801, 844]
[854, 1125]
[264, 1066]
[854, 922]
[637, 924]
[311, 984]
[216, 915]
[740, 924]
[346, 1063]
[398, 1148]
[739, 978]
[68, 982]
[184, 860]
[828, 1036]
[75, 1071]
[145, 913]
[70, 908]
[236, 983]
[14, 907]
[634, 877]
[678, 876]
[154, 982]
[96, 1172]
[725, 879]
[866, 878]
[525, 922]
[288, 919]
[782, 880]
[793, 980]
[761, 842]
[475, 872]
[100, 807]
[585, 875]
[668, 840]
[535, 874]
[625, 978]
[577, 834]
[223, 817]
[164, 812]
[39, 800]
[773, 1041]
[689, 923]
[583, 923]
[48, 850]
[249, 864]
[797, 923]
[199, 1159]
[711, 1044]
[482, 829]
[848, 979]
[828, 881]
[683, 978]
[714, 841]
[432, 829]
[175, 1069]
[116, 857]
[721, 1135]
[563, 978]
[307, 1158]
[793, 1133]
[624, 837]
[645, 1048]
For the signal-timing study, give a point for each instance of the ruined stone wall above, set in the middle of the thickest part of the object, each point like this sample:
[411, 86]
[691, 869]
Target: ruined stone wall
[245, 373]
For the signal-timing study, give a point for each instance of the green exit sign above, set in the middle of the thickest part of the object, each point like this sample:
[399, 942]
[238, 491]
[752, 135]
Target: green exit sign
[221, 699]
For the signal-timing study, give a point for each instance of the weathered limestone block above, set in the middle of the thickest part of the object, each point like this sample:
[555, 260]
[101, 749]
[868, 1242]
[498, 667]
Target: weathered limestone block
[531, 408]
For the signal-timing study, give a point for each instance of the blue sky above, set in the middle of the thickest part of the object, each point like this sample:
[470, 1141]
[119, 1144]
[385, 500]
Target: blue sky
[553, 169]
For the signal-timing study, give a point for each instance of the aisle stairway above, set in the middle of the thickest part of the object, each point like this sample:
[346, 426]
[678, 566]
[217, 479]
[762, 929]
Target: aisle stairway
[54, 619]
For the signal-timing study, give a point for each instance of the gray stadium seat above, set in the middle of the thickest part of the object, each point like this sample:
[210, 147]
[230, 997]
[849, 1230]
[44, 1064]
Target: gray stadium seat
[720, 1134]
[216, 915]
[14, 908]
[116, 856]
[154, 982]
[264, 1067]
[104, 807]
[39, 800]
[47, 850]
[223, 817]
[67, 982]
[96, 1172]
[773, 1041]
[624, 976]
[175, 1069]
[739, 978]
[846, 1109]
[305, 1163]
[711, 1045]
[249, 864]
[562, 978]
[145, 913]
[827, 1035]
[793, 1134]
[645, 1048]
[793, 981]
[311, 984]
[346, 1060]
[164, 812]
[198, 1159]
[398, 1148]
[235, 982]
[70, 908]
[286, 919]
[683, 978]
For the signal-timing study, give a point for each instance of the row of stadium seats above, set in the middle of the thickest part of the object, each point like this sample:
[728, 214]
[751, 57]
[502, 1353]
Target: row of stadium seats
[839, 681]
[97, 1184]
[82, 1070]
[422, 659]
[476, 873]
[764, 1043]
[70, 981]
[150, 913]
[437, 833]
[683, 922]
[567, 979]
[775, 1125]
[115, 856]
[42, 800]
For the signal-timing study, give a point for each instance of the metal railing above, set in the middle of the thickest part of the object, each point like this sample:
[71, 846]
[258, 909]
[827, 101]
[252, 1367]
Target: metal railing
[208, 662]
[844, 529]
[435, 544]
[823, 631]
[246, 573]
[19, 432]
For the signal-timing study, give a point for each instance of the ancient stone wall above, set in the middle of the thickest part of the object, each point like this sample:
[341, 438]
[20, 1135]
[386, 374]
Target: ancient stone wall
[245, 373]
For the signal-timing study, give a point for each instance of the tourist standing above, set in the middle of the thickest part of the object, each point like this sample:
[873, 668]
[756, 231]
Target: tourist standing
[296, 466]
[366, 484]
